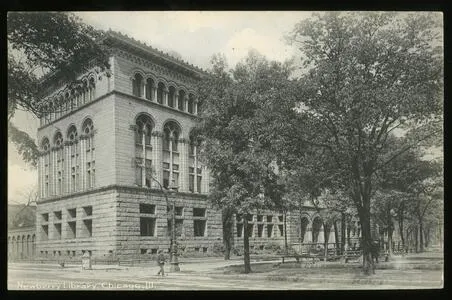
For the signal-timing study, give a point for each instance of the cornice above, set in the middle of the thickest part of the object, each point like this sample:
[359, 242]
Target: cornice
[119, 189]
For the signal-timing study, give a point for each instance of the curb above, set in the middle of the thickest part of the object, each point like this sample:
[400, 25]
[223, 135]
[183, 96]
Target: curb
[349, 281]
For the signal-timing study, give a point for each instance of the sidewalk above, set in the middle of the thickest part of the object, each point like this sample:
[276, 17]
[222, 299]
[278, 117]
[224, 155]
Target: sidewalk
[400, 271]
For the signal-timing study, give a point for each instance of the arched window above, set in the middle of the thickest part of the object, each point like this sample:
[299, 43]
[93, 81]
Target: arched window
[180, 104]
[74, 100]
[92, 89]
[171, 96]
[58, 143]
[84, 91]
[51, 111]
[171, 133]
[191, 103]
[194, 166]
[160, 92]
[88, 131]
[143, 162]
[74, 156]
[137, 84]
[57, 108]
[150, 86]
[45, 145]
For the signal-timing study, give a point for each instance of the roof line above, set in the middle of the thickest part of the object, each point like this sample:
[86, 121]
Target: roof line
[156, 51]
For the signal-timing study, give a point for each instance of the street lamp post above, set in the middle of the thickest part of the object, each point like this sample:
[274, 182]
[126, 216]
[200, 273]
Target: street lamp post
[171, 189]
[174, 260]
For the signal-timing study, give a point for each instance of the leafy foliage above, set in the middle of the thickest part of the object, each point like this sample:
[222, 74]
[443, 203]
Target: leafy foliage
[43, 48]
[370, 76]
[243, 112]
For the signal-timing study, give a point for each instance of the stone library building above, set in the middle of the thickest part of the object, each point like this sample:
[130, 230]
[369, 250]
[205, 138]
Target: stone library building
[111, 147]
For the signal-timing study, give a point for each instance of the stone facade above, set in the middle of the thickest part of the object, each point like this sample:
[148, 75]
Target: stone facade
[109, 145]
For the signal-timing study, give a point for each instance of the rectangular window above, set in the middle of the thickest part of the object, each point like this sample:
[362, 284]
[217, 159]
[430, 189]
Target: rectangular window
[260, 218]
[147, 226]
[239, 230]
[269, 230]
[199, 227]
[72, 230]
[57, 231]
[57, 215]
[250, 230]
[179, 210]
[45, 231]
[269, 219]
[88, 227]
[280, 218]
[179, 227]
[198, 183]
[199, 212]
[45, 217]
[147, 208]
[88, 211]
[281, 230]
[72, 213]
[191, 183]
[165, 179]
[260, 229]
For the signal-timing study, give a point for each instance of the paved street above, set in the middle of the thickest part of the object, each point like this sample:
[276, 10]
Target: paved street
[208, 274]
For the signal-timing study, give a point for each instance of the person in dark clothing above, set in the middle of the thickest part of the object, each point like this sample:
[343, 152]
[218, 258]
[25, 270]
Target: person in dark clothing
[375, 250]
[161, 262]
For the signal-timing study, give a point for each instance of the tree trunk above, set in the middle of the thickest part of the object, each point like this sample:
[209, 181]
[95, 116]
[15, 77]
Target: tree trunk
[402, 236]
[416, 238]
[336, 237]
[366, 240]
[246, 245]
[326, 236]
[427, 237]
[228, 231]
[285, 232]
[421, 236]
[343, 233]
[390, 230]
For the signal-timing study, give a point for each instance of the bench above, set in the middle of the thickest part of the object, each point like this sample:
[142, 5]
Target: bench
[351, 254]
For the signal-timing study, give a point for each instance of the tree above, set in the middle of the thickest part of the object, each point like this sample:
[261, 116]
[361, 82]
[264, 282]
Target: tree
[237, 110]
[43, 48]
[369, 75]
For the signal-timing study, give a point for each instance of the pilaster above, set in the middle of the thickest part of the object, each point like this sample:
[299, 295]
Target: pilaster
[156, 141]
[183, 172]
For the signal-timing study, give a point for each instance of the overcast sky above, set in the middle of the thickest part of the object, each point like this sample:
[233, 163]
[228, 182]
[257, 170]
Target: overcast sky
[196, 36]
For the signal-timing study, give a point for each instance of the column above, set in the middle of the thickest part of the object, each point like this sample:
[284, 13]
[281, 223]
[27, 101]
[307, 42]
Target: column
[143, 162]
[183, 171]
[332, 237]
[40, 175]
[185, 104]
[205, 180]
[67, 182]
[143, 88]
[154, 93]
[82, 162]
[308, 234]
[156, 141]
[165, 97]
[54, 176]
[195, 187]
[321, 236]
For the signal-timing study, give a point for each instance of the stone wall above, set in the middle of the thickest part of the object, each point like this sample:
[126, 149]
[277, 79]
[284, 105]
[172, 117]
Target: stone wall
[102, 239]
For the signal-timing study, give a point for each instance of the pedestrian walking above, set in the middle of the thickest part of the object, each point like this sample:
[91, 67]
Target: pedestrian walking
[161, 262]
